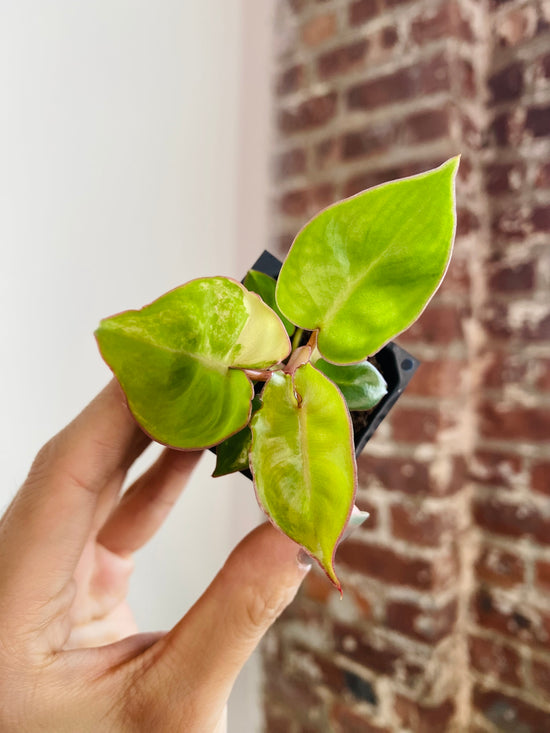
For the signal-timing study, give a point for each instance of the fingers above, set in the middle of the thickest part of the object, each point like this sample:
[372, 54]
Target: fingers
[49, 520]
[202, 656]
[145, 505]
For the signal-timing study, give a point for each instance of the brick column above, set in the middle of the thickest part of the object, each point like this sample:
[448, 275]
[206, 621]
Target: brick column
[366, 91]
[510, 626]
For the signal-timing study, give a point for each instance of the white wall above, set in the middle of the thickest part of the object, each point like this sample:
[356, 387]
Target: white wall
[123, 172]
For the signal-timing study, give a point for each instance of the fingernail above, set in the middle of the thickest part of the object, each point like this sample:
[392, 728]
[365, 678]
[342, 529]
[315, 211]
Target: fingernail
[355, 521]
[304, 560]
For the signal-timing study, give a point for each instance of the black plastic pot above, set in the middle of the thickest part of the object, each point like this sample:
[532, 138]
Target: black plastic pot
[396, 365]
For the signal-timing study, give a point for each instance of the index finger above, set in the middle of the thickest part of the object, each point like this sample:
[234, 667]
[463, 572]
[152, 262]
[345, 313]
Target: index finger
[48, 523]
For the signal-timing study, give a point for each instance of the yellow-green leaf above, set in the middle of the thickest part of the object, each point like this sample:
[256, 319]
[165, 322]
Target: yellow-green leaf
[303, 462]
[364, 269]
[178, 359]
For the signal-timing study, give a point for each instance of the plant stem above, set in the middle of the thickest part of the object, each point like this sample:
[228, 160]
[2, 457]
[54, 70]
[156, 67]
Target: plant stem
[296, 338]
[259, 375]
[312, 343]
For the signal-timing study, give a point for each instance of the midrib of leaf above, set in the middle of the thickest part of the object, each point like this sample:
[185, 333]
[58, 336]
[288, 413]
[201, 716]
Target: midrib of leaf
[302, 438]
[345, 293]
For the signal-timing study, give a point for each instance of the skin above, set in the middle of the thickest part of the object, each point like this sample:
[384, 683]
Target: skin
[70, 655]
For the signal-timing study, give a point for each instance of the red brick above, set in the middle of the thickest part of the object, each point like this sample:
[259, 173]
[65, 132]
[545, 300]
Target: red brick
[513, 279]
[425, 78]
[316, 588]
[501, 368]
[509, 713]
[413, 524]
[543, 376]
[507, 84]
[495, 659]
[439, 324]
[423, 718]
[501, 129]
[541, 219]
[343, 720]
[440, 378]
[398, 474]
[327, 153]
[374, 139]
[499, 567]
[362, 10]
[277, 722]
[312, 113]
[429, 625]
[291, 690]
[388, 37]
[466, 76]
[497, 322]
[294, 203]
[538, 121]
[466, 222]
[298, 5]
[514, 619]
[380, 659]
[391, 567]
[384, 90]
[540, 477]
[291, 163]
[434, 75]
[503, 422]
[504, 177]
[542, 573]
[511, 223]
[427, 125]
[378, 176]
[417, 425]
[290, 80]
[495, 469]
[445, 22]
[411, 476]
[543, 176]
[319, 29]
[457, 280]
[342, 60]
[368, 506]
[541, 675]
[512, 520]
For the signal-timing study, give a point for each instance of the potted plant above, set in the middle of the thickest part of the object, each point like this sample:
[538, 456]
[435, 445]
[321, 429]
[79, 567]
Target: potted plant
[268, 371]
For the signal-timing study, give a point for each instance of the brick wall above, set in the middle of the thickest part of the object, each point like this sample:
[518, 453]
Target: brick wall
[445, 621]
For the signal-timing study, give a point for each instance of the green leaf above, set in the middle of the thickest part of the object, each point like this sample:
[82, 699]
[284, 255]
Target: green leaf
[177, 358]
[232, 453]
[303, 462]
[264, 286]
[364, 269]
[361, 384]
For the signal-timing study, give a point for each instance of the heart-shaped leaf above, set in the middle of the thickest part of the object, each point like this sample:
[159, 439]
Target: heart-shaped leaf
[260, 283]
[232, 453]
[364, 269]
[361, 384]
[303, 462]
[177, 359]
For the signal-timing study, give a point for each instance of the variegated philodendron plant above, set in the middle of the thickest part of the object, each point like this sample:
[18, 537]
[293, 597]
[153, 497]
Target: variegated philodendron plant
[358, 274]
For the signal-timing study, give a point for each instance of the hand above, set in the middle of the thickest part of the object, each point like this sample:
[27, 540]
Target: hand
[70, 657]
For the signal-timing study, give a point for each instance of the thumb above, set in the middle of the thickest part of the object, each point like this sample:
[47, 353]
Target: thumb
[209, 646]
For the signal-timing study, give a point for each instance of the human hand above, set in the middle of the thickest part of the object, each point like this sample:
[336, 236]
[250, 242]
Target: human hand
[70, 657]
